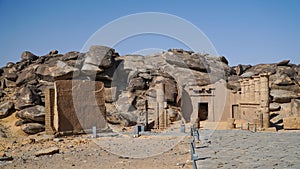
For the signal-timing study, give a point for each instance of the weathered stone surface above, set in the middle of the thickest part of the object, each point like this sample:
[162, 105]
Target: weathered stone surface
[53, 52]
[284, 80]
[10, 74]
[274, 107]
[48, 151]
[57, 71]
[6, 109]
[291, 123]
[32, 128]
[247, 74]
[26, 76]
[83, 102]
[233, 83]
[110, 95]
[90, 69]
[195, 62]
[240, 69]
[9, 83]
[28, 56]
[116, 116]
[223, 59]
[26, 97]
[136, 84]
[100, 56]
[34, 114]
[283, 96]
[10, 64]
[295, 107]
[283, 63]
[263, 68]
[173, 114]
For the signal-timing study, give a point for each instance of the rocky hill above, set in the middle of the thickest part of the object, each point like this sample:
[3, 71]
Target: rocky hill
[130, 80]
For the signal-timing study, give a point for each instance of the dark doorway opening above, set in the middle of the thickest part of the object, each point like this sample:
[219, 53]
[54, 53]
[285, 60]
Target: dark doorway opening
[235, 112]
[203, 111]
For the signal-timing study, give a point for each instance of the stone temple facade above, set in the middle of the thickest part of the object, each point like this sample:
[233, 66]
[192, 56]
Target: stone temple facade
[216, 103]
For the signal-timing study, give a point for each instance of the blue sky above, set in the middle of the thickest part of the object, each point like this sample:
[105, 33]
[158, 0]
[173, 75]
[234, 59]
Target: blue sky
[244, 31]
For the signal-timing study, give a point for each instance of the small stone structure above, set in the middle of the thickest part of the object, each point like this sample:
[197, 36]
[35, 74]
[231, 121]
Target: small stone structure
[254, 102]
[74, 106]
[162, 119]
[217, 103]
[291, 123]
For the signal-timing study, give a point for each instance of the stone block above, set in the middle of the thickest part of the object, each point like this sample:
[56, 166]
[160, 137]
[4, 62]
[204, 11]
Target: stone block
[291, 123]
[49, 110]
[79, 105]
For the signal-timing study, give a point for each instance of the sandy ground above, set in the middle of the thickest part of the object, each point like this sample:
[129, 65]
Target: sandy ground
[217, 148]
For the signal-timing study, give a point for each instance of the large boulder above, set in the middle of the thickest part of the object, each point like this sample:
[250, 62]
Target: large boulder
[58, 70]
[125, 119]
[26, 55]
[283, 96]
[32, 128]
[97, 59]
[283, 63]
[6, 109]
[26, 97]
[262, 68]
[10, 73]
[136, 84]
[284, 80]
[240, 69]
[185, 60]
[27, 76]
[34, 114]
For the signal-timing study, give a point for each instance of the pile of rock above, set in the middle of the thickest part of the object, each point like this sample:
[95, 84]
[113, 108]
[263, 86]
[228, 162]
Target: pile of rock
[22, 84]
[130, 80]
[284, 87]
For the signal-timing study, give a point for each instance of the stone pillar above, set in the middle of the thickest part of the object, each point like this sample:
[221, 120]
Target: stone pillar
[160, 98]
[247, 88]
[251, 90]
[256, 89]
[49, 110]
[264, 96]
[156, 123]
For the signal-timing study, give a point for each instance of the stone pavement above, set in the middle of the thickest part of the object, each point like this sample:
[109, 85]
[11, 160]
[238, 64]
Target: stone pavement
[244, 149]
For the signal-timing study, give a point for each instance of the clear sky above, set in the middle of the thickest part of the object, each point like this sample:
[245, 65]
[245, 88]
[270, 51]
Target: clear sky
[244, 31]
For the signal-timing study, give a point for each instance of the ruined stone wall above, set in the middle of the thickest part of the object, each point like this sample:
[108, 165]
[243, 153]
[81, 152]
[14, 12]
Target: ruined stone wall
[254, 103]
[78, 105]
[219, 100]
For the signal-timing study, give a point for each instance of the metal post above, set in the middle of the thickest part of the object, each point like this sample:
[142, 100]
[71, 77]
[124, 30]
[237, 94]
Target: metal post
[193, 155]
[142, 128]
[136, 130]
[182, 128]
[94, 129]
[197, 134]
[192, 132]
[147, 120]
[254, 127]
[192, 149]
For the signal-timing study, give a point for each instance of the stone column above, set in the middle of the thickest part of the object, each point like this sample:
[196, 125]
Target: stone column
[49, 110]
[256, 89]
[247, 88]
[160, 98]
[251, 90]
[264, 96]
